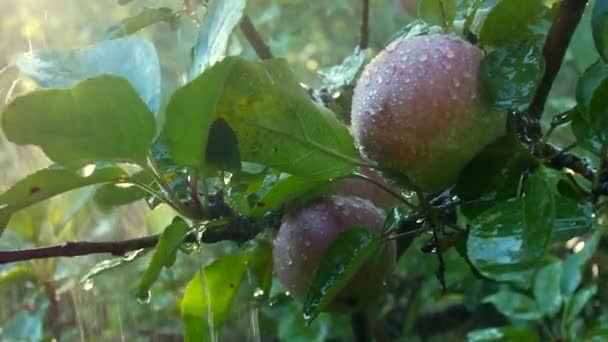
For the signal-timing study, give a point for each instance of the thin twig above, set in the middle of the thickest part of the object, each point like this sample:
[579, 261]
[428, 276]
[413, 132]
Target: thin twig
[237, 229]
[364, 35]
[254, 38]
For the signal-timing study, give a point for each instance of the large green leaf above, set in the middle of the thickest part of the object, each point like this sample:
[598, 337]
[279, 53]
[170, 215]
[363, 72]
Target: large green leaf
[209, 295]
[510, 75]
[515, 305]
[132, 58]
[220, 19]
[437, 12]
[339, 263]
[164, 254]
[507, 241]
[275, 122]
[504, 21]
[99, 119]
[546, 287]
[48, 183]
[592, 102]
[599, 27]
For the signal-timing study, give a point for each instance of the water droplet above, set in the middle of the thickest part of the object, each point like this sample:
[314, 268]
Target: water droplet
[87, 285]
[307, 243]
[258, 293]
[289, 262]
[391, 47]
[144, 298]
[450, 53]
[422, 57]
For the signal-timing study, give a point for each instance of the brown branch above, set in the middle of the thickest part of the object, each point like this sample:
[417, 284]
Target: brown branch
[238, 229]
[254, 38]
[364, 35]
[568, 16]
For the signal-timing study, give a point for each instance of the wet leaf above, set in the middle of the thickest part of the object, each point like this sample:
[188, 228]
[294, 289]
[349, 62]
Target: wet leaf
[99, 119]
[339, 263]
[437, 12]
[164, 254]
[592, 102]
[282, 192]
[515, 305]
[599, 27]
[344, 74]
[143, 19]
[260, 259]
[577, 303]
[132, 58]
[510, 75]
[538, 210]
[500, 22]
[547, 291]
[47, 183]
[209, 295]
[221, 17]
[109, 196]
[275, 122]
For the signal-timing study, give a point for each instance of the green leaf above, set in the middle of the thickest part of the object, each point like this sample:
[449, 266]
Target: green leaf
[393, 217]
[502, 334]
[599, 28]
[260, 259]
[109, 196]
[538, 210]
[132, 58]
[164, 254]
[547, 290]
[99, 119]
[571, 218]
[515, 305]
[505, 21]
[499, 246]
[47, 183]
[339, 263]
[209, 295]
[223, 147]
[221, 17]
[586, 135]
[437, 12]
[592, 102]
[275, 122]
[510, 75]
[284, 191]
[577, 303]
[574, 264]
[145, 18]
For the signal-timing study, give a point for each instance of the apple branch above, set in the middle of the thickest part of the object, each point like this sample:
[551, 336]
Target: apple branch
[237, 229]
[254, 38]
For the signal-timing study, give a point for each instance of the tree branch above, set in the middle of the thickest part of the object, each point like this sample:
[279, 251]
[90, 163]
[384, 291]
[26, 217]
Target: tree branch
[558, 39]
[364, 35]
[254, 38]
[238, 229]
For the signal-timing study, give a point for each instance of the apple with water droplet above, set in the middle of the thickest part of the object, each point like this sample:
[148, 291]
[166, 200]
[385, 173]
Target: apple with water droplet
[304, 236]
[418, 110]
[355, 186]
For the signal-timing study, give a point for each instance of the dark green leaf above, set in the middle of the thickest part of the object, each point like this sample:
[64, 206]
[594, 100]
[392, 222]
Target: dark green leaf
[577, 303]
[222, 147]
[282, 192]
[99, 119]
[600, 29]
[339, 263]
[260, 259]
[164, 254]
[505, 21]
[515, 305]
[211, 292]
[547, 290]
[48, 183]
[147, 17]
[571, 218]
[502, 334]
[592, 102]
[132, 58]
[220, 19]
[538, 210]
[437, 12]
[393, 217]
[586, 135]
[574, 264]
[510, 75]
[275, 121]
